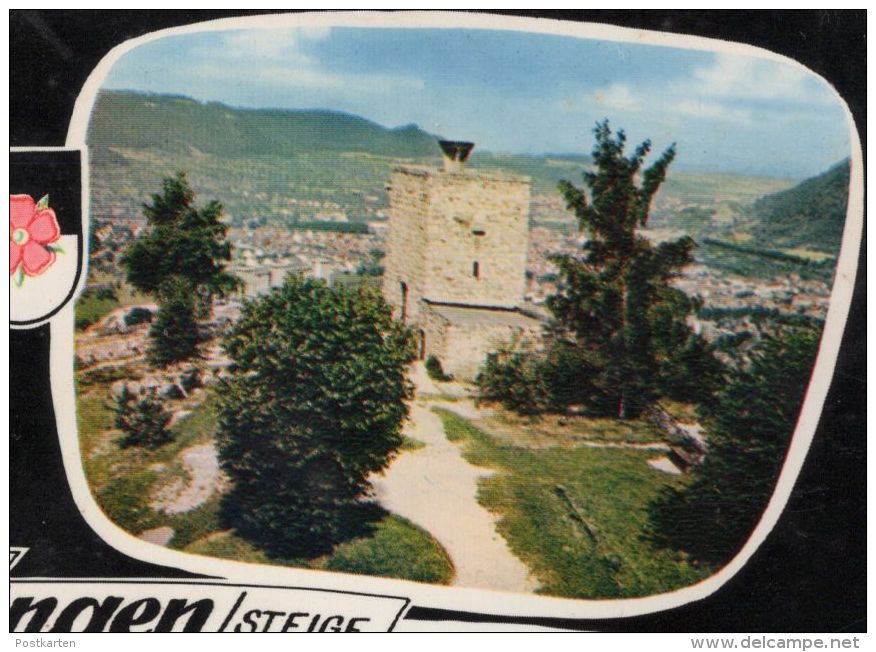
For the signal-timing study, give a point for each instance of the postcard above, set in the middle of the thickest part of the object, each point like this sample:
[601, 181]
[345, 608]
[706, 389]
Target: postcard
[342, 322]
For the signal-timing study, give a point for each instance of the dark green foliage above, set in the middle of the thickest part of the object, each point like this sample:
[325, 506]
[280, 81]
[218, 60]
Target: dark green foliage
[435, 370]
[514, 379]
[571, 376]
[758, 315]
[615, 304]
[692, 373]
[142, 419]
[94, 304]
[334, 227]
[126, 119]
[192, 380]
[315, 404]
[174, 334]
[563, 377]
[811, 213]
[370, 269]
[182, 243]
[748, 261]
[750, 425]
[107, 293]
[181, 261]
[138, 315]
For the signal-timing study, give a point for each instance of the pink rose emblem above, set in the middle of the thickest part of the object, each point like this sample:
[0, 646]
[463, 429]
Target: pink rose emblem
[32, 228]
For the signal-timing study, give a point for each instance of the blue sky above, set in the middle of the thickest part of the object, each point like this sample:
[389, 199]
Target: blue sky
[515, 92]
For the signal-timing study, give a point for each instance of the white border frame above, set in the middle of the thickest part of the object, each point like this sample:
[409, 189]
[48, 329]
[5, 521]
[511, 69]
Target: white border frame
[441, 597]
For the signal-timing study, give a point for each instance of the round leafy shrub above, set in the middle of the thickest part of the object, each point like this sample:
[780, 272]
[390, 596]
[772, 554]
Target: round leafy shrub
[436, 370]
[314, 404]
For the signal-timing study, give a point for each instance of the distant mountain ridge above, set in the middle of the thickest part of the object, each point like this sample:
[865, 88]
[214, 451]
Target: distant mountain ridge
[294, 168]
[173, 123]
[811, 213]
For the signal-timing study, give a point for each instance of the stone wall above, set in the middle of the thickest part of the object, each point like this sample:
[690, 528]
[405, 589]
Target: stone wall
[483, 220]
[456, 236]
[462, 348]
[432, 333]
[406, 241]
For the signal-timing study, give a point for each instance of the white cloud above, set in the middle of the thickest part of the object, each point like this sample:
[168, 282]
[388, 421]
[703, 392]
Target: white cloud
[731, 89]
[621, 98]
[748, 78]
[260, 57]
[315, 78]
[270, 43]
[617, 97]
[698, 108]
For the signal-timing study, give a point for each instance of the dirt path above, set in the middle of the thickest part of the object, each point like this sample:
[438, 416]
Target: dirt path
[205, 477]
[437, 489]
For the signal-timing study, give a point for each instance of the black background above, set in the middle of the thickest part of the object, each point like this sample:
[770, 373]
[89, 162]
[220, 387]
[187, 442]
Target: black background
[34, 174]
[810, 573]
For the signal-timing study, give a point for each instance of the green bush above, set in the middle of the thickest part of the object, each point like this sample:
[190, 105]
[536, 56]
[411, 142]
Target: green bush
[191, 380]
[106, 293]
[514, 379]
[397, 548]
[750, 424]
[571, 376]
[143, 420]
[435, 370]
[138, 315]
[315, 404]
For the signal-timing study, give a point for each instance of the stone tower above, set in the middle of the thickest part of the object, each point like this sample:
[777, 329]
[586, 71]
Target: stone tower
[456, 255]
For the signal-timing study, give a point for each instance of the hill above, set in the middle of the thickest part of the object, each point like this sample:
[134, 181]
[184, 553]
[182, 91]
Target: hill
[811, 214]
[299, 167]
[283, 167]
[172, 123]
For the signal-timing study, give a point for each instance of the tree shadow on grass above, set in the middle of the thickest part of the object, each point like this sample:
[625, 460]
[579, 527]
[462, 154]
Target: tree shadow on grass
[287, 539]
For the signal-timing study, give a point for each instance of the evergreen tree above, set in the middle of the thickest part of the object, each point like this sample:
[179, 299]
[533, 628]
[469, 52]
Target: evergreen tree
[142, 419]
[749, 425]
[174, 333]
[615, 304]
[315, 404]
[183, 252]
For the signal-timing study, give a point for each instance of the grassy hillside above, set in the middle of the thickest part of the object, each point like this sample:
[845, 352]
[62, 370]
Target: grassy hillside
[811, 214]
[177, 124]
[284, 167]
[297, 168]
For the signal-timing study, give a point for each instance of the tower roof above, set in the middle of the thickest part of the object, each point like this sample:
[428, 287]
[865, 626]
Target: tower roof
[456, 150]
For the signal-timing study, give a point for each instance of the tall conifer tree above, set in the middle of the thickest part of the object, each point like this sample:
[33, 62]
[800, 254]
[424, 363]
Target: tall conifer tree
[180, 260]
[615, 303]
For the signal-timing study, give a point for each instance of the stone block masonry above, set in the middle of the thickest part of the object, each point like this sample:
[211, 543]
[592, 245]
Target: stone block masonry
[461, 337]
[455, 266]
[456, 236]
